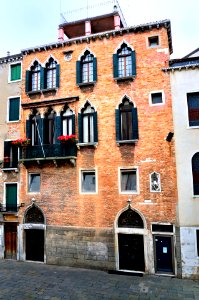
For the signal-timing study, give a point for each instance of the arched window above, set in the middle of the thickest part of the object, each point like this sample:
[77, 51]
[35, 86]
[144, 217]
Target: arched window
[124, 64]
[195, 172]
[87, 121]
[49, 127]
[126, 121]
[155, 182]
[68, 122]
[51, 74]
[35, 76]
[130, 218]
[86, 68]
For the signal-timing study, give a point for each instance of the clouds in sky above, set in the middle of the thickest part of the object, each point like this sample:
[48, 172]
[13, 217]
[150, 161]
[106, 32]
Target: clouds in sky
[28, 23]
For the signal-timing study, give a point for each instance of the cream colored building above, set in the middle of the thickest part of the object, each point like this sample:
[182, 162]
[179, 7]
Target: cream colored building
[185, 93]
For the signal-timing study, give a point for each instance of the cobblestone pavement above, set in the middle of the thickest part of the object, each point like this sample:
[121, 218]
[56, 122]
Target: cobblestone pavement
[31, 281]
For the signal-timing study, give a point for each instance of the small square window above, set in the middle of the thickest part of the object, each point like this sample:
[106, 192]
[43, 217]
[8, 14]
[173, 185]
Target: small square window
[197, 241]
[153, 41]
[34, 183]
[156, 98]
[88, 182]
[15, 72]
[128, 180]
[14, 108]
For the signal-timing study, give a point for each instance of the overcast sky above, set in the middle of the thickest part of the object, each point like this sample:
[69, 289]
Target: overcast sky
[29, 23]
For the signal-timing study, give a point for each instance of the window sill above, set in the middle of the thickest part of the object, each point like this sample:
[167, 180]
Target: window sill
[54, 89]
[85, 84]
[126, 142]
[30, 93]
[86, 145]
[118, 79]
[13, 81]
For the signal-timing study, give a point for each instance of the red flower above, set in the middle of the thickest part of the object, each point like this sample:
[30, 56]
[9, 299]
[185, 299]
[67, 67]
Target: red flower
[67, 138]
[21, 142]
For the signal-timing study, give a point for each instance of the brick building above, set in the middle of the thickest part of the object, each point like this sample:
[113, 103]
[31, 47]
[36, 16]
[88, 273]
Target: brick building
[110, 200]
[10, 116]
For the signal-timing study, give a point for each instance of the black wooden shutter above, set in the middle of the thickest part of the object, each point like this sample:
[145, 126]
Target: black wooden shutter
[73, 124]
[78, 72]
[28, 87]
[57, 75]
[95, 127]
[80, 128]
[115, 65]
[94, 69]
[42, 78]
[117, 125]
[135, 124]
[133, 63]
[45, 79]
[28, 129]
[6, 149]
[58, 126]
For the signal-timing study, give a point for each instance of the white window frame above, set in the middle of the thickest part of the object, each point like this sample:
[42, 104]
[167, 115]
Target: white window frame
[190, 92]
[8, 108]
[157, 92]
[28, 181]
[9, 72]
[159, 181]
[120, 169]
[4, 191]
[81, 171]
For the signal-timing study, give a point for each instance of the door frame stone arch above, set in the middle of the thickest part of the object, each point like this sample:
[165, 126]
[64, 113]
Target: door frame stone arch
[131, 231]
[28, 226]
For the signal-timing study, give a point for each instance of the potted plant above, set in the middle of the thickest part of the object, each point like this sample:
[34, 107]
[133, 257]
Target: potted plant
[21, 142]
[67, 139]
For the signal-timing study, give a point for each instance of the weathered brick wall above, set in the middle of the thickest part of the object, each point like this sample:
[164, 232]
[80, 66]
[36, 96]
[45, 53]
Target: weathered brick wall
[77, 247]
[60, 198]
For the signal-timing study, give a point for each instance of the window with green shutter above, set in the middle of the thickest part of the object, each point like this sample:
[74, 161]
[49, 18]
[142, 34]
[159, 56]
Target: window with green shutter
[15, 72]
[86, 69]
[14, 108]
[124, 63]
[126, 121]
[11, 196]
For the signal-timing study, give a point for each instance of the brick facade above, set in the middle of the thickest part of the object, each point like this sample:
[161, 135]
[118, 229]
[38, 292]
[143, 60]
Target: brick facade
[73, 218]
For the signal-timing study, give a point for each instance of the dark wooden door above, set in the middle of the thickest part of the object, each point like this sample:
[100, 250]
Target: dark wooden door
[10, 230]
[131, 252]
[164, 257]
[35, 244]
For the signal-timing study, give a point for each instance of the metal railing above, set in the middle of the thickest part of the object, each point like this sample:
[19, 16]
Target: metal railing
[89, 11]
[48, 151]
[9, 207]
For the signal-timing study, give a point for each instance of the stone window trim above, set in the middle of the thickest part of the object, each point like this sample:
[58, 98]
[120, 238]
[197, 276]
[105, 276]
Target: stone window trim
[9, 72]
[8, 109]
[126, 169]
[192, 124]
[156, 92]
[28, 182]
[81, 172]
[153, 41]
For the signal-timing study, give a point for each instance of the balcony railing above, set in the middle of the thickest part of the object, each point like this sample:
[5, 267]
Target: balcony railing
[10, 208]
[48, 152]
[8, 164]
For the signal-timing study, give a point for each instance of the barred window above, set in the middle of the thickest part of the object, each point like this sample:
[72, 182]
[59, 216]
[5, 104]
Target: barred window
[87, 67]
[35, 76]
[124, 61]
[51, 74]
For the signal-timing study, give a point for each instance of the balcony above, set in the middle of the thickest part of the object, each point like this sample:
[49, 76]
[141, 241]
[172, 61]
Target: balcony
[9, 208]
[9, 164]
[54, 152]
